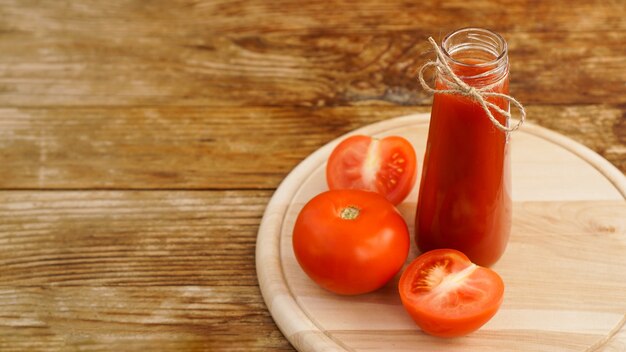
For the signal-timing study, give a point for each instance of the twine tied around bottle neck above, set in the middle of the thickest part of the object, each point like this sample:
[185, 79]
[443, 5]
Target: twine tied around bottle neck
[480, 95]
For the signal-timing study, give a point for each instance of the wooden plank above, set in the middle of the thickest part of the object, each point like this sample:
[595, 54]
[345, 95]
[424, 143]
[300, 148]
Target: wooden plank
[190, 318]
[173, 147]
[202, 147]
[253, 53]
[102, 271]
[289, 15]
[124, 238]
[404, 341]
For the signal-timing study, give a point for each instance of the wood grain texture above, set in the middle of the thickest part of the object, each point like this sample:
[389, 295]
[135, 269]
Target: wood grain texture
[285, 53]
[188, 318]
[152, 99]
[102, 271]
[217, 148]
[122, 238]
[564, 268]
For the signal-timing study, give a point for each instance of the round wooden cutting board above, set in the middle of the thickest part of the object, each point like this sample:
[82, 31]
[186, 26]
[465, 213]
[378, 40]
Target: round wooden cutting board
[564, 267]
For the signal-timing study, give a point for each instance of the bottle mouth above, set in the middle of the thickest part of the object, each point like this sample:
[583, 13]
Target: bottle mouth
[476, 53]
[478, 39]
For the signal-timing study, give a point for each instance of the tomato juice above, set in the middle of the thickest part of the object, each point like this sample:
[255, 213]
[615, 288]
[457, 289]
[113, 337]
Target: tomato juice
[465, 193]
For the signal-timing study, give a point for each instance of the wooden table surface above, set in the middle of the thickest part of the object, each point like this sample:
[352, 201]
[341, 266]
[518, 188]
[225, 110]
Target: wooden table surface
[140, 142]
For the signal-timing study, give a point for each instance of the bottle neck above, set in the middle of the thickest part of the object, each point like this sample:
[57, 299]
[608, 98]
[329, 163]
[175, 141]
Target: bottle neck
[478, 56]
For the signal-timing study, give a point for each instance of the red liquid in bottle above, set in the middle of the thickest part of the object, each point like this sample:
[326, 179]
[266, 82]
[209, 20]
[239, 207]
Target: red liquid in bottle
[465, 194]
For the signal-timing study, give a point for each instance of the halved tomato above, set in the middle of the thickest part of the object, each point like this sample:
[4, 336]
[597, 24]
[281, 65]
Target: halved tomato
[447, 295]
[387, 166]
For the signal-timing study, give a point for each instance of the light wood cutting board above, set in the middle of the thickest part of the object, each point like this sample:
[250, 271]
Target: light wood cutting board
[564, 268]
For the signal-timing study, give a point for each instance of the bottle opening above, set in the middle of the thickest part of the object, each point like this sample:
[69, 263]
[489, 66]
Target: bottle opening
[476, 54]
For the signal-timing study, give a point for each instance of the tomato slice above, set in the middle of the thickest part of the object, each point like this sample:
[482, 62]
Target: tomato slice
[447, 295]
[387, 166]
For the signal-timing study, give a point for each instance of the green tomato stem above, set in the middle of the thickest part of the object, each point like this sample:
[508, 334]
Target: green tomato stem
[350, 213]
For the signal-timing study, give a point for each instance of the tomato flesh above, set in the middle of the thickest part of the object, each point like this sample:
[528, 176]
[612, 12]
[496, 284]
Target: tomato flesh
[350, 241]
[447, 295]
[387, 166]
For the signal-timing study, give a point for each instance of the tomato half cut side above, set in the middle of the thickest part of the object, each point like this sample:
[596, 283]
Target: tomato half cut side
[447, 295]
[386, 166]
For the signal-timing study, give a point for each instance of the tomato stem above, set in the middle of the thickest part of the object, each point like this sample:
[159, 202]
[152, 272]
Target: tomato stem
[350, 213]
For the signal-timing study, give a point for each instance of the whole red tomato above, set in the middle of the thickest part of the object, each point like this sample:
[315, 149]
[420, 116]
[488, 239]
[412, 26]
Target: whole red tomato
[350, 241]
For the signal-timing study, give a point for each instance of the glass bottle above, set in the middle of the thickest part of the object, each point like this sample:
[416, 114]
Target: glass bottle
[465, 192]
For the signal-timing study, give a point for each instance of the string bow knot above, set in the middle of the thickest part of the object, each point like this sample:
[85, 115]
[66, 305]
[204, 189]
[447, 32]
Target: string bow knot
[459, 87]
